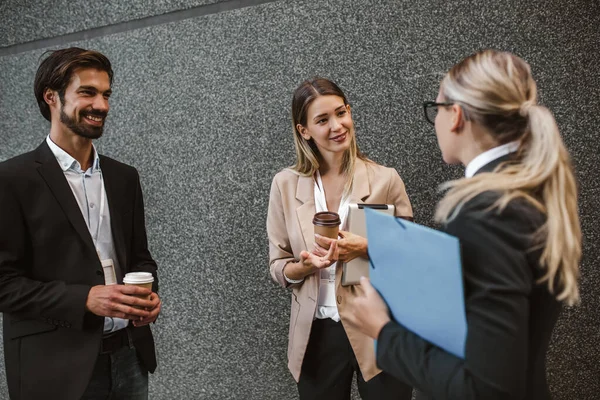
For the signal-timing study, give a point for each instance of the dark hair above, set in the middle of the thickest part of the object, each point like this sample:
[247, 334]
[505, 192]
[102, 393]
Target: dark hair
[56, 70]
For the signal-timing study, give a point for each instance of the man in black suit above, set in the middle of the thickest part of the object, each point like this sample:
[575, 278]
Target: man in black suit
[65, 213]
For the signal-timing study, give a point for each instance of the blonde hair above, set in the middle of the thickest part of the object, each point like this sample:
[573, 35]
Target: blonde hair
[496, 90]
[307, 153]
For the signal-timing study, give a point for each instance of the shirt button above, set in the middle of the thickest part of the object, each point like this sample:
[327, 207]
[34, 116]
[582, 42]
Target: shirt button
[92, 205]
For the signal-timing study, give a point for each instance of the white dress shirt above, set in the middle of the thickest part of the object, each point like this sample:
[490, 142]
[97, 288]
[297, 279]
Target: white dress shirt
[88, 190]
[490, 155]
[326, 305]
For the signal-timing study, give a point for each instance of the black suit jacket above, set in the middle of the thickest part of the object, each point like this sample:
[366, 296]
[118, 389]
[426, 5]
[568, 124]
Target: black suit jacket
[509, 316]
[48, 263]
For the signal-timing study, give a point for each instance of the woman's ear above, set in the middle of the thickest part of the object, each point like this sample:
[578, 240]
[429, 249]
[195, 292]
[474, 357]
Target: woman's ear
[302, 131]
[457, 118]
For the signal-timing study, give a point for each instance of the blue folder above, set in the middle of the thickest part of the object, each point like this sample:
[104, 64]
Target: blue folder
[417, 271]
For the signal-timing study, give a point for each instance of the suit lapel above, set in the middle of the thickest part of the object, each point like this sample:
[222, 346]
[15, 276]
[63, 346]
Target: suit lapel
[56, 181]
[360, 184]
[305, 194]
[110, 179]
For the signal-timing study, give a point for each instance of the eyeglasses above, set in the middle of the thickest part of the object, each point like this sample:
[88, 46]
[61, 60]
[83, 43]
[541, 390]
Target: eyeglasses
[431, 109]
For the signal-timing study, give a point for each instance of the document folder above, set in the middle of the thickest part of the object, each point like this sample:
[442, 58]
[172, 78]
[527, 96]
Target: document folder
[417, 271]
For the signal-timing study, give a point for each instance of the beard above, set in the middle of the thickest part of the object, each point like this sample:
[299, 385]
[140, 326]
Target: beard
[79, 127]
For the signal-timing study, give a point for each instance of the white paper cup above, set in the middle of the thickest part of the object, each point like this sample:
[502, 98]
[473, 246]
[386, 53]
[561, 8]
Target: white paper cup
[141, 279]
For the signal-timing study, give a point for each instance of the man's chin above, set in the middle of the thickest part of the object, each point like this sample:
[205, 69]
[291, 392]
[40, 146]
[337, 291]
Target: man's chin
[90, 134]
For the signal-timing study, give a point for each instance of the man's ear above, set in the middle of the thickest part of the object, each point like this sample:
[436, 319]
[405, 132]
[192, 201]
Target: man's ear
[458, 116]
[51, 97]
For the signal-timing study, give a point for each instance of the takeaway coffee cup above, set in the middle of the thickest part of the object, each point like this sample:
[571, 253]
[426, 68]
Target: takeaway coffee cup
[141, 279]
[327, 223]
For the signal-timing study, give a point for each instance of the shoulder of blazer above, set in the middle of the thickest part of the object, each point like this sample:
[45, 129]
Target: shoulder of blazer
[292, 183]
[112, 163]
[122, 169]
[516, 211]
[15, 164]
[376, 174]
[286, 176]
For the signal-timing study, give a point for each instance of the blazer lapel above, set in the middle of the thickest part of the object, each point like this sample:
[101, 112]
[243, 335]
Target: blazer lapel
[305, 194]
[56, 181]
[110, 178]
[360, 184]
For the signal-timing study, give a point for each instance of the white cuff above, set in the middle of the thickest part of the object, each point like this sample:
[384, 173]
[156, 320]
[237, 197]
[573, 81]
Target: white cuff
[288, 279]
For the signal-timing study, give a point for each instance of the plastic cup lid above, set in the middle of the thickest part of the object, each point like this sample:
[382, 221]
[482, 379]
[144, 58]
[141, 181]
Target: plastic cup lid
[138, 277]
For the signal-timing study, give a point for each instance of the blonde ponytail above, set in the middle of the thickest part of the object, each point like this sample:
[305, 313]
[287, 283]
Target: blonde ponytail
[499, 93]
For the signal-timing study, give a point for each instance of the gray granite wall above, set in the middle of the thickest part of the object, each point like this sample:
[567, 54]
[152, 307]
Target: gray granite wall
[201, 108]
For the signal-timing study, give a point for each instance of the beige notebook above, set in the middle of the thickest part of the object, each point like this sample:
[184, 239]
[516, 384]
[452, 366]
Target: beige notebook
[354, 269]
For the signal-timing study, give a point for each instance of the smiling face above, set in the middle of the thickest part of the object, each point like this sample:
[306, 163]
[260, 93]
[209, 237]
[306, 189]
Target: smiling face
[84, 105]
[329, 124]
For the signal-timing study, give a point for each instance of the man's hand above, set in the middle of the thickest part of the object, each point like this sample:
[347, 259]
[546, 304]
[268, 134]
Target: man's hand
[349, 247]
[153, 312]
[119, 301]
[367, 311]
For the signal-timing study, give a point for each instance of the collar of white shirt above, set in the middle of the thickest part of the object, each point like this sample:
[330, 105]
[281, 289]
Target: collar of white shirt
[490, 155]
[67, 162]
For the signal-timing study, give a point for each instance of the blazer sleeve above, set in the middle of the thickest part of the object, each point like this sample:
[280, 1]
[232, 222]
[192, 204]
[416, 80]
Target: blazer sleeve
[280, 250]
[141, 260]
[397, 196]
[498, 280]
[53, 302]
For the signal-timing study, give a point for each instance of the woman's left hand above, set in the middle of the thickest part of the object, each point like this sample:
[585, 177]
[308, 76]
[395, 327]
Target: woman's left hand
[367, 311]
[349, 246]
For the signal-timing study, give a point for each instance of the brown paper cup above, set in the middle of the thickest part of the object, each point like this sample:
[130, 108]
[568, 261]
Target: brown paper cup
[327, 224]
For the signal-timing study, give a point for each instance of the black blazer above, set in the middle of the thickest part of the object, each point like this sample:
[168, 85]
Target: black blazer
[48, 263]
[509, 316]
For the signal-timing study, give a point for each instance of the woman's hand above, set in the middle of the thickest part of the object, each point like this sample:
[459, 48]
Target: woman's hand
[349, 247]
[310, 263]
[367, 311]
[319, 261]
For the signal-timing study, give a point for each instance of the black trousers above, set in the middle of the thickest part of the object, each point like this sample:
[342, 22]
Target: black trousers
[329, 365]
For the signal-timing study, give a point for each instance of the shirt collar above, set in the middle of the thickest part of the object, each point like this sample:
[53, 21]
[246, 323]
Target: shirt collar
[67, 162]
[490, 155]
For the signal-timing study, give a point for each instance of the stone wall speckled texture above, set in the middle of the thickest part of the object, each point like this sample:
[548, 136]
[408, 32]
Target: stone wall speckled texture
[201, 108]
[31, 20]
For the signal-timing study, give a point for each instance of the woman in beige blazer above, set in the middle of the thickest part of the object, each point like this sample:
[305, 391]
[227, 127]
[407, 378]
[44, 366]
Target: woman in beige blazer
[330, 172]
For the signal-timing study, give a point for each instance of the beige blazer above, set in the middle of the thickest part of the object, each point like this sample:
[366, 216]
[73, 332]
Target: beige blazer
[290, 230]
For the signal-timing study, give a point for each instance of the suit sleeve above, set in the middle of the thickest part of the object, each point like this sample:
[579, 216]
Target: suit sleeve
[52, 302]
[141, 260]
[497, 282]
[397, 196]
[280, 250]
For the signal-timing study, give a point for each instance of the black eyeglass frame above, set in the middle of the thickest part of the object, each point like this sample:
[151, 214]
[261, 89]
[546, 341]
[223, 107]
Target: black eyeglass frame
[433, 104]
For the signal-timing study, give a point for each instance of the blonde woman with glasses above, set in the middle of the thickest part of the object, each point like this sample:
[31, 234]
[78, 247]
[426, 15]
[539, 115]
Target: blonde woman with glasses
[515, 213]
